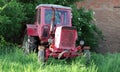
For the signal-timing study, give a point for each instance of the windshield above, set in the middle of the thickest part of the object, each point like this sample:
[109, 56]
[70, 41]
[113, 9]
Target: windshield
[61, 17]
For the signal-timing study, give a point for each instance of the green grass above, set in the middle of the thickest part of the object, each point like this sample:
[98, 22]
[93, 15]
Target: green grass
[17, 61]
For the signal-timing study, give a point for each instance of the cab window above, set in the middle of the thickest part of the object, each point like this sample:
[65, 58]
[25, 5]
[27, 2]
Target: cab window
[61, 17]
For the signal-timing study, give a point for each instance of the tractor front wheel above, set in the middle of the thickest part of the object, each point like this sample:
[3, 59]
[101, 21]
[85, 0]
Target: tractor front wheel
[41, 54]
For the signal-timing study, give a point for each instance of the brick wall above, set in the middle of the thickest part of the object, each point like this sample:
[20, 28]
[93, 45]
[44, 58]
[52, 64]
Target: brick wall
[99, 4]
[107, 14]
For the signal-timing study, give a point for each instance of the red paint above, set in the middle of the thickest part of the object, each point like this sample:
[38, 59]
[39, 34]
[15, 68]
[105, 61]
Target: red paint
[56, 51]
[32, 30]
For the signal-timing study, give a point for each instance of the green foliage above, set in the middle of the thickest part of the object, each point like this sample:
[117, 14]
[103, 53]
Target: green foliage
[60, 2]
[29, 10]
[18, 61]
[107, 62]
[87, 30]
[6, 47]
[11, 16]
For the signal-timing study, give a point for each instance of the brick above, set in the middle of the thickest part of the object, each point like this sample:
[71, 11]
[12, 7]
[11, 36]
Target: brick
[116, 2]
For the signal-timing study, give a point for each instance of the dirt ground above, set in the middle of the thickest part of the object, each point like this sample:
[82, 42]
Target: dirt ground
[109, 22]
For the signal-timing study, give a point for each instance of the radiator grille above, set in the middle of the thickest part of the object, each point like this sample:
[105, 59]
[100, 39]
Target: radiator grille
[68, 38]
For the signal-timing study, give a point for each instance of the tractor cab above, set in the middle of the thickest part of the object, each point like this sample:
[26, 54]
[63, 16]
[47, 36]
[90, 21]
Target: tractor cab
[49, 17]
[45, 12]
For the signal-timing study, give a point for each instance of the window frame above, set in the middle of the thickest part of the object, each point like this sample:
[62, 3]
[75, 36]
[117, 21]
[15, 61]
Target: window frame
[39, 16]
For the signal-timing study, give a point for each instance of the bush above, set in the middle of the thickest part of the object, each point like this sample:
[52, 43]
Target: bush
[87, 30]
[6, 47]
[29, 10]
[11, 17]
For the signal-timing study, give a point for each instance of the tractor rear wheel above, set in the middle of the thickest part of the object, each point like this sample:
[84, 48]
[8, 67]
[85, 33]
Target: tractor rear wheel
[87, 56]
[29, 44]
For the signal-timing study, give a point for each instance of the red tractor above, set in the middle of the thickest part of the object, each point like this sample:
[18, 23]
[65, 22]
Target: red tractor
[52, 34]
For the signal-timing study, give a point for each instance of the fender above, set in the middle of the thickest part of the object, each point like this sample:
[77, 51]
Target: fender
[32, 30]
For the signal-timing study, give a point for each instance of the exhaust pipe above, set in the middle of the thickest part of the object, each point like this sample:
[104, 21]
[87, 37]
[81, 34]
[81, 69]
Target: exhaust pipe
[52, 21]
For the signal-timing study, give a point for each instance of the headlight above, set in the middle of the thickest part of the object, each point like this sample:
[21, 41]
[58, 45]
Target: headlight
[82, 42]
[50, 40]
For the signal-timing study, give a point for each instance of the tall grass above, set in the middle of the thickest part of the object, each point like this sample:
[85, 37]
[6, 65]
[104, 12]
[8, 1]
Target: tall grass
[17, 61]
[108, 62]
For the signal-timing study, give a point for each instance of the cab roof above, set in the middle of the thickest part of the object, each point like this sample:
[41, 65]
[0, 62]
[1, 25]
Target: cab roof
[52, 5]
